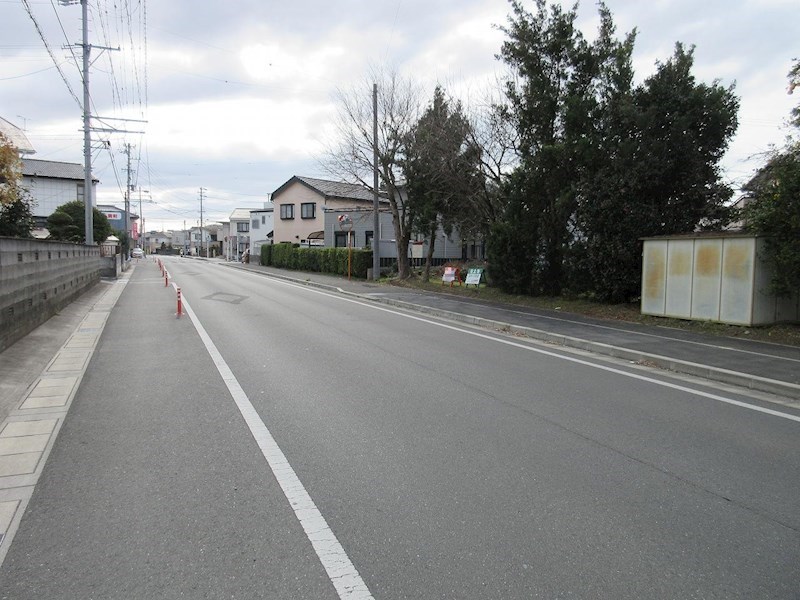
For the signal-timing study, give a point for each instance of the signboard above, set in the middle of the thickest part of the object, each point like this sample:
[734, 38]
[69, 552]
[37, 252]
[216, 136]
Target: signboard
[113, 216]
[451, 275]
[474, 276]
[135, 232]
[417, 250]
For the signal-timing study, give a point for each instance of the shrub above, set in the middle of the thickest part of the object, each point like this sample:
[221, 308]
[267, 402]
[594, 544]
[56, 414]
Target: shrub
[317, 260]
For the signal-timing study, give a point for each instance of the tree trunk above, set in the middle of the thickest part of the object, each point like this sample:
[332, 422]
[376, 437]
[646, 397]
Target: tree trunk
[429, 257]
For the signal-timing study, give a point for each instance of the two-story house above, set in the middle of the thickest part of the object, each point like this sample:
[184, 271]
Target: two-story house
[52, 184]
[239, 236]
[262, 222]
[300, 206]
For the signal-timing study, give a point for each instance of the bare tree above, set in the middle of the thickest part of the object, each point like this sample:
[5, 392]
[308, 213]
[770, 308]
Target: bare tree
[494, 135]
[351, 155]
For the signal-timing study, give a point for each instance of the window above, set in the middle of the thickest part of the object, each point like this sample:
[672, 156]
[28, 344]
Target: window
[368, 240]
[340, 239]
[287, 211]
[308, 210]
[263, 219]
[254, 224]
[80, 192]
[242, 227]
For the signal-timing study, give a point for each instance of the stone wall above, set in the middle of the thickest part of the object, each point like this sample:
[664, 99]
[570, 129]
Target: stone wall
[38, 278]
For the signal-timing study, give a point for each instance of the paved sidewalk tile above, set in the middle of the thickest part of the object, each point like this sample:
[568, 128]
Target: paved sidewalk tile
[25, 428]
[19, 464]
[7, 510]
[23, 444]
[73, 360]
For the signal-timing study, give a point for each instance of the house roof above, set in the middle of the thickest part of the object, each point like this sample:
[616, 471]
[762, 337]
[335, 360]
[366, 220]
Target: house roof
[32, 167]
[329, 189]
[241, 214]
[16, 137]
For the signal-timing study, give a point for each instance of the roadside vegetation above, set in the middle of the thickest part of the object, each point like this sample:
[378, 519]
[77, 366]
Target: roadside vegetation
[784, 333]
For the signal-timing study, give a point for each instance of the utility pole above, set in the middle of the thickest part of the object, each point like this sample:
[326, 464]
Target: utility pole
[127, 152]
[202, 190]
[141, 217]
[376, 222]
[88, 191]
[87, 134]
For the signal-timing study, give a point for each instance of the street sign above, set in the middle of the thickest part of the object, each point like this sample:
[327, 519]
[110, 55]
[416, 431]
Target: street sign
[474, 276]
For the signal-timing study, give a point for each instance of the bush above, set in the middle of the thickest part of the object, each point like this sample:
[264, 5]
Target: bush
[266, 255]
[317, 260]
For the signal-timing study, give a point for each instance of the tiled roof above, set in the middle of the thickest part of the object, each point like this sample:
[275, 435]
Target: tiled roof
[331, 189]
[336, 189]
[32, 167]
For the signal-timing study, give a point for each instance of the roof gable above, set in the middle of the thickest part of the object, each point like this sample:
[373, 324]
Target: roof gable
[329, 189]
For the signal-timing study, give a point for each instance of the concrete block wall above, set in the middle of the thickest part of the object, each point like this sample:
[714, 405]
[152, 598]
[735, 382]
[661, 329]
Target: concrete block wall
[38, 278]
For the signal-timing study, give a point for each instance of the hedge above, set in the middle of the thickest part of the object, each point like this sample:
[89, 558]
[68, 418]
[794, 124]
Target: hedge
[319, 260]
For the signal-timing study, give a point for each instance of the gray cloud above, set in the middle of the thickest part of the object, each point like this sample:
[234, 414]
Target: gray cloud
[239, 94]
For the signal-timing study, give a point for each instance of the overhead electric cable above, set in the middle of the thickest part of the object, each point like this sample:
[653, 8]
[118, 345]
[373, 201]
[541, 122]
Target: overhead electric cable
[50, 52]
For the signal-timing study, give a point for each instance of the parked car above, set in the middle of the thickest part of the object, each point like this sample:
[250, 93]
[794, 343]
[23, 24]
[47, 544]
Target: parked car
[137, 253]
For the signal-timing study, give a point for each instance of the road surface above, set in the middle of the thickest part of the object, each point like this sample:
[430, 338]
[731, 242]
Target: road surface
[281, 441]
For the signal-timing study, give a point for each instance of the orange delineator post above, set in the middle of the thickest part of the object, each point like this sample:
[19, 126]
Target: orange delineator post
[180, 304]
[166, 278]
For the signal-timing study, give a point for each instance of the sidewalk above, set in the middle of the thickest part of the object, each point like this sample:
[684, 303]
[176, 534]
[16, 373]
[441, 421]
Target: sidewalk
[765, 367]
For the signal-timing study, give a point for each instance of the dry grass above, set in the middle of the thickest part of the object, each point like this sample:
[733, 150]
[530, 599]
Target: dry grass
[780, 334]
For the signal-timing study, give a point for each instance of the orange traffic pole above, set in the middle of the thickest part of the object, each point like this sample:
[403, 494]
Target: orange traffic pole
[180, 304]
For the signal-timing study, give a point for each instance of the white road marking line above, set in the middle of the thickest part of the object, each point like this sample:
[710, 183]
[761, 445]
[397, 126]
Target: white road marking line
[652, 335]
[341, 571]
[579, 361]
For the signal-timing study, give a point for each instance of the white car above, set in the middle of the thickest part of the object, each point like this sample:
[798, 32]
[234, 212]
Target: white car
[137, 253]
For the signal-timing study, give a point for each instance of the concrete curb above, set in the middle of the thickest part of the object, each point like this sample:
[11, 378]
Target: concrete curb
[752, 382]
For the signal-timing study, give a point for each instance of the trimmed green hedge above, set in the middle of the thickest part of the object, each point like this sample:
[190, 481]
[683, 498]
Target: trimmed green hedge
[319, 260]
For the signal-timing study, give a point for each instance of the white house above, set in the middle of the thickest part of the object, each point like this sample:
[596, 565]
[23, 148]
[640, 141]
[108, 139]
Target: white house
[239, 236]
[261, 228]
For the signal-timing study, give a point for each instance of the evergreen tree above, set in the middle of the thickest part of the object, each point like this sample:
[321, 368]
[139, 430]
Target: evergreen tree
[774, 210]
[68, 223]
[658, 174]
[441, 170]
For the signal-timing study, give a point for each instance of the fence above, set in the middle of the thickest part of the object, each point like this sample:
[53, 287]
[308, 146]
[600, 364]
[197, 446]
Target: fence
[38, 278]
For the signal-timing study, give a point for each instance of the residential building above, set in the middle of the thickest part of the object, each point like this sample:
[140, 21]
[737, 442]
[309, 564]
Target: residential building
[16, 137]
[239, 236]
[300, 206]
[225, 235]
[362, 224]
[116, 218]
[261, 227]
[52, 184]
[180, 240]
[157, 240]
[205, 239]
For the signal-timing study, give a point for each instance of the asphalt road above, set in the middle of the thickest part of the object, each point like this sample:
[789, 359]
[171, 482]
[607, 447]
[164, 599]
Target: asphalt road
[448, 462]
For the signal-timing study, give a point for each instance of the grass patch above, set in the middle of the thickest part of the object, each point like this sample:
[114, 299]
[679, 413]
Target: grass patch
[780, 334]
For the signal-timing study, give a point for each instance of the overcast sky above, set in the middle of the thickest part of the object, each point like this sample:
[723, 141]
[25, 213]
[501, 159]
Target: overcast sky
[239, 96]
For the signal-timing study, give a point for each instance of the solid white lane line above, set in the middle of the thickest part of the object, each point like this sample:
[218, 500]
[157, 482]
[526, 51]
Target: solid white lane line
[341, 571]
[529, 348]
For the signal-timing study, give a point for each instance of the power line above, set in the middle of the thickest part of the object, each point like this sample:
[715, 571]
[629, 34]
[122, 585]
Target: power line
[50, 52]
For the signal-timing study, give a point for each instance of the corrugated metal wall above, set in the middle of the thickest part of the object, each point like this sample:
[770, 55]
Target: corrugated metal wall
[711, 279]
